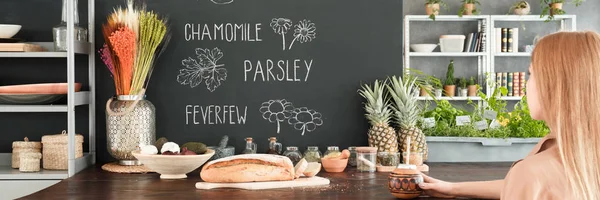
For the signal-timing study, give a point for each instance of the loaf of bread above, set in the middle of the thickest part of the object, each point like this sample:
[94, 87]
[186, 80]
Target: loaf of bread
[248, 168]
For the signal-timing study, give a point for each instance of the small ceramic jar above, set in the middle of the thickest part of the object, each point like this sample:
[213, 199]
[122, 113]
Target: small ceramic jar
[404, 182]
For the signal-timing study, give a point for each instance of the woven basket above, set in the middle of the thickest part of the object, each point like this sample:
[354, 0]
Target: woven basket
[30, 162]
[55, 153]
[20, 147]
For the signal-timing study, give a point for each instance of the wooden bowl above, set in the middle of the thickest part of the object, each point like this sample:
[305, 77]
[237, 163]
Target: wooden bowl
[404, 181]
[173, 166]
[334, 165]
[42, 88]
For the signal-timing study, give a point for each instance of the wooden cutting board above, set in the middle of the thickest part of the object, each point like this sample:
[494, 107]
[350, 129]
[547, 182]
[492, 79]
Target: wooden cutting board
[20, 47]
[301, 182]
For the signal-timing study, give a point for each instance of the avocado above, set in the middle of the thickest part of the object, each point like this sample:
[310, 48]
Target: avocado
[196, 147]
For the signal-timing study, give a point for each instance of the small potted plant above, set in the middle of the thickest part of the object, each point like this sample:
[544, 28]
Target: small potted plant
[449, 86]
[432, 7]
[426, 89]
[469, 8]
[521, 8]
[472, 87]
[554, 7]
[463, 87]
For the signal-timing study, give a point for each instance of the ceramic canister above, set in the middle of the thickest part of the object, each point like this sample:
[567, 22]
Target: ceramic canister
[404, 181]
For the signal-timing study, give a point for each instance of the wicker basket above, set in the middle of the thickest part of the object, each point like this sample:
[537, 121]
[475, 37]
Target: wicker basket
[30, 162]
[20, 147]
[55, 153]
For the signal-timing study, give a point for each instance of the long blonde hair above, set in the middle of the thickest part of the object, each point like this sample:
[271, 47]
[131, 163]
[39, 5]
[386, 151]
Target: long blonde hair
[567, 71]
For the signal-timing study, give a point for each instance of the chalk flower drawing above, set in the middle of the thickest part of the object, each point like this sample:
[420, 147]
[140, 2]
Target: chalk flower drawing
[281, 26]
[305, 119]
[304, 32]
[277, 111]
[222, 1]
[204, 69]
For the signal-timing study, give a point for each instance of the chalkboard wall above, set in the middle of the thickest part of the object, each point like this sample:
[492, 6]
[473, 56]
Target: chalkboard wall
[288, 69]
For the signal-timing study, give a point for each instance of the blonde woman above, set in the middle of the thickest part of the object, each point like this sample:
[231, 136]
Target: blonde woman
[564, 91]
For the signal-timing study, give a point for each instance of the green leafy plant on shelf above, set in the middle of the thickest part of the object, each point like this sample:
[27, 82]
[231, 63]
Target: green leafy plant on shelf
[555, 7]
[523, 125]
[469, 7]
[432, 7]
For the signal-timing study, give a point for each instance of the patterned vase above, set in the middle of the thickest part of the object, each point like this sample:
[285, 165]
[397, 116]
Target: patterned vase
[404, 181]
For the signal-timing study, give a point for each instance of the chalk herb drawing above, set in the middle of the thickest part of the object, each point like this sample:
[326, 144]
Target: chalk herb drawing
[281, 26]
[222, 1]
[304, 32]
[204, 69]
[277, 111]
[305, 119]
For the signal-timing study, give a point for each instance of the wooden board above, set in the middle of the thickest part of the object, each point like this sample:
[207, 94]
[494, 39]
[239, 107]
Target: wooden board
[301, 182]
[20, 47]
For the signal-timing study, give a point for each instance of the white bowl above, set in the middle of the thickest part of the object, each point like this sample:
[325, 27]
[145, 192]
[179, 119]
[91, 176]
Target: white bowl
[9, 30]
[423, 47]
[173, 166]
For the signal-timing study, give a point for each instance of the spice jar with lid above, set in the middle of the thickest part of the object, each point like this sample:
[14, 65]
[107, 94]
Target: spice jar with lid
[274, 146]
[312, 154]
[388, 158]
[415, 158]
[30, 161]
[352, 158]
[404, 182]
[366, 159]
[332, 152]
[250, 146]
[24, 147]
[293, 154]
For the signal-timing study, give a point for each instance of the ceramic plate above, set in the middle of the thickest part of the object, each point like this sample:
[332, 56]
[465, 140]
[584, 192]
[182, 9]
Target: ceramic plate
[28, 99]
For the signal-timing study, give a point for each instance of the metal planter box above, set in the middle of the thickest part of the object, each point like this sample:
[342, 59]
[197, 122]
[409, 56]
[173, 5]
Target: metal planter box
[476, 149]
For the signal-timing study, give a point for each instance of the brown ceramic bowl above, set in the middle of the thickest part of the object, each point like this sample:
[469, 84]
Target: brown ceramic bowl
[404, 181]
[334, 164]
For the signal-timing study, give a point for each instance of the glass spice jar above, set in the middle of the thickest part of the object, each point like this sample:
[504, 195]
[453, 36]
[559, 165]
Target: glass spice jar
[312, 154]
[293, 154]
[388, 158]
[415, 158]
[352, 158]
[332, 152]
[366, 159]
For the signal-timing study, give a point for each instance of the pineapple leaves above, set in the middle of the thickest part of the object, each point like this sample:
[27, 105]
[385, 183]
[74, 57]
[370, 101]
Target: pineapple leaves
[405, 107]
[377, 105]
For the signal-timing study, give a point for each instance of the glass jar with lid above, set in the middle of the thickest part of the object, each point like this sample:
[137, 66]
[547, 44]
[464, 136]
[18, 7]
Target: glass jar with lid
[293, 154]
[332, 152]
[352, 158]
[312, 154]
[250, 146]
[366, 159]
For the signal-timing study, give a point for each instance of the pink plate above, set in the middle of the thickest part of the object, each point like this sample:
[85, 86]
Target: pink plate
[43, 88]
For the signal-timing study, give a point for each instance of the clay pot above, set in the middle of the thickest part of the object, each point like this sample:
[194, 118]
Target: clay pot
[522, 11]
[334, 165]
[472, 90]
[469, 7]
[404, 181]
[449, 90]
[424, 90]
[432, 9]
[557, 5]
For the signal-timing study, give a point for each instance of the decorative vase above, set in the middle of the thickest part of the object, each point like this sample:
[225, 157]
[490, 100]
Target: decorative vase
[130, 122]
[449, 89]
[472, 90]
[469, 7]
[438, 92]
[523, 11]
[432, 9]
[463, 92]
[404, 181]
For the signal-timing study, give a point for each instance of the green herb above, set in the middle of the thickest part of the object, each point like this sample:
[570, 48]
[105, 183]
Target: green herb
[450, 74]
[463, 83]
[463, 9]
[388, 159]
[472, 80]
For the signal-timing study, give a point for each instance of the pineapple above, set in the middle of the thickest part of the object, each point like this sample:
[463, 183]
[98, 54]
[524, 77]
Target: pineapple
[406, 114]
[381, 134]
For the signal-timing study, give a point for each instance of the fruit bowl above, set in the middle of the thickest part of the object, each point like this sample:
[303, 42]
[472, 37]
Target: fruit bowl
[425, 48]
[173, 166]
[9, 30]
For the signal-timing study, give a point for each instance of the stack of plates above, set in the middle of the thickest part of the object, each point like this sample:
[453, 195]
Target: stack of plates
[44, 93]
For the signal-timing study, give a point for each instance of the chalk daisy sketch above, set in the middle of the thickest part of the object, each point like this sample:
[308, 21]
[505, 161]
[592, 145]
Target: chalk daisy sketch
[305, 119]
[281, 26]
[277, 111]
[304, 32]
[203, 69]
[222, 1]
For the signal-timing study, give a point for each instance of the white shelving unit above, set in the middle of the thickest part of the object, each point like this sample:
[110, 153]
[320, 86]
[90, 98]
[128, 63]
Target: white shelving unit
[74, 99]
[485, 60]
[482, 57]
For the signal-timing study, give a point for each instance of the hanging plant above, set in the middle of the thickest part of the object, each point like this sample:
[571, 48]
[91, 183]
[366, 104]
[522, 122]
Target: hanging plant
[555, 7]
[469, 8]
[520, 8]
[432, 7]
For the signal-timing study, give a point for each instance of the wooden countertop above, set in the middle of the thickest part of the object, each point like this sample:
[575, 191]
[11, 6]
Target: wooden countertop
[94, 183]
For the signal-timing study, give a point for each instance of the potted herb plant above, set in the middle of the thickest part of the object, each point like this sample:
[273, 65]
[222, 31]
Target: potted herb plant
[449, 86]
[469, 8]
[521, 8]
[437, 86]
[555, 7]
[472, 87]
[463, 87]
[432, 7]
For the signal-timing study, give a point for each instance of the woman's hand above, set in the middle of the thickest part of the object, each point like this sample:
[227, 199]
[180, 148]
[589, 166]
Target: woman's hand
[437, 188]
